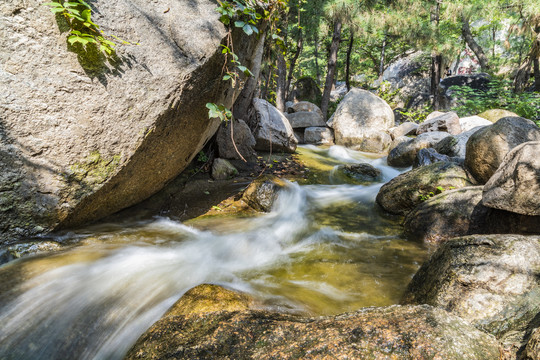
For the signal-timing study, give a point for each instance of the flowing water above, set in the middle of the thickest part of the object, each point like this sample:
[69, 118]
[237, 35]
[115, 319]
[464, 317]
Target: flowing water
[324, 249]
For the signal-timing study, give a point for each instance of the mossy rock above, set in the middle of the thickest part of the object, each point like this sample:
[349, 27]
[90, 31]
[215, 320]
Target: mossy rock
[494, 115]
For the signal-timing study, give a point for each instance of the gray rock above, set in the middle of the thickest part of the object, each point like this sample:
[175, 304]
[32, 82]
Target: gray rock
[272, 129]
[395, 143]
[361, 121]
[455, 146]
[474, 81]
[405, 152]
[299, 135]
[431, 156]
[449, 214]
[448, 122]
[488, 280]
[85, 137]
[262, 193]
[243, 141]
[306, 89]
[487, 147]
[319, 135]
[495, 115]
[515, 186]
[407, 128]
[357, 174]
[433, 115]
[304, 119]
[304, 106]
[404, 70]
[472, 122]
[404, 192]
[222, 169]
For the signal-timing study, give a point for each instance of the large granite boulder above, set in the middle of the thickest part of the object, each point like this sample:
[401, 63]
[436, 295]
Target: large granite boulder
[455, 146]
[404, 192]
[361, 121]
[449, 214]
[532, 350]
[243, 144]
[303, 106]
[515, 186]
[487, 147]
[271, 129]
[495, 115]
[447, 122]
[491, 281]
[83, 136]
[404, 153]
[406, 332]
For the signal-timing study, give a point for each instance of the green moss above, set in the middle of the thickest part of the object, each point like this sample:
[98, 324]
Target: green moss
[95, 169]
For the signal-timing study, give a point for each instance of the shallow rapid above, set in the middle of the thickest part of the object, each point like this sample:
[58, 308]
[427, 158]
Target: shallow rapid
[324, 249]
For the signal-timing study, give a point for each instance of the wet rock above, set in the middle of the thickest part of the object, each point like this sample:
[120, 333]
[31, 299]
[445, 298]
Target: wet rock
[447, 122]
[207, 298]
[471, 122]
[319, 135]
[357, 173]
[18, 251]
[361, 121]
[223, 170]
[406, 332]
[515, 186]
[407, 128]
[272, 130]
[431, 156]
[139, 119]
[243, 141]
[304, 119]
[306, 89]
[404, 192]
[449, 214]
[455, 146]
[487, 147]
[496, 114]
[262, 193]
[405, 152]
[491, 281]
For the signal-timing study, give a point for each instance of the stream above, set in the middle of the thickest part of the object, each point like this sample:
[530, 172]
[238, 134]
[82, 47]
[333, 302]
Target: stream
[325, 248]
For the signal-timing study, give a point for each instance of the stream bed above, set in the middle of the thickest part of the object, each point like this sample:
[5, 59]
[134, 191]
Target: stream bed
[326, 248]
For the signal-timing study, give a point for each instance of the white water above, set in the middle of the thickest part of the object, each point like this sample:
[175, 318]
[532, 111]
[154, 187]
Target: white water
[104, 295]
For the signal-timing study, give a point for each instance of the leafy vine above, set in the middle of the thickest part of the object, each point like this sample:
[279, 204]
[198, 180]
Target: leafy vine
[84, 30]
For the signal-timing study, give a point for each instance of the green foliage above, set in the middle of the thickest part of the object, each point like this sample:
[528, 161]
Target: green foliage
[388, 93]
[499, 95]
[415, 115]
[246, 15]
[218, 111]
[202, 157]
[84, 30]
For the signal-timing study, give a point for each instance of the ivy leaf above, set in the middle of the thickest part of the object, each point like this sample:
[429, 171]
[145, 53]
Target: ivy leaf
[247, 29]
[58, 10]
[239, 24]
[226, 77]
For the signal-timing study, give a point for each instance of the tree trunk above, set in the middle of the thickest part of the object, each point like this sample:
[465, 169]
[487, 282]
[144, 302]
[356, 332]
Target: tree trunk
[348, 64]
[536, 63]
[436, 65]
[292, 65]
[332, 64]
[317, 68]
[522, 77]
[383, 52]
[467, 35]
[281, 81]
